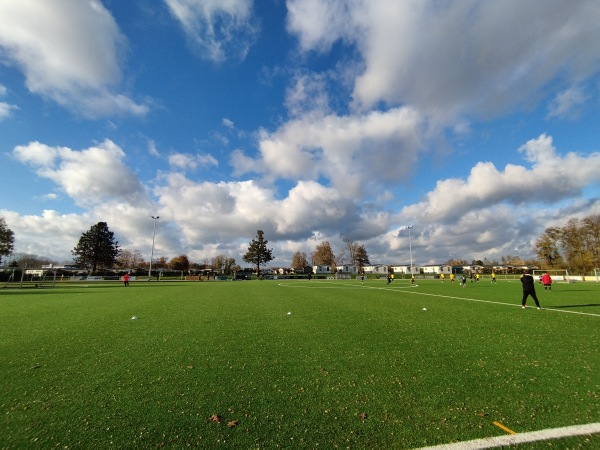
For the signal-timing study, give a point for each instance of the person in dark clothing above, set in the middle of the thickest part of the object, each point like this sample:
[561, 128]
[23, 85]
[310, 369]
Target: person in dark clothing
[528, 289]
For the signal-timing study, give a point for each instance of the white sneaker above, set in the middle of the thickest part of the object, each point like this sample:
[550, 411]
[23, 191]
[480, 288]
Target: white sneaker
[523, 307]
[539, 307]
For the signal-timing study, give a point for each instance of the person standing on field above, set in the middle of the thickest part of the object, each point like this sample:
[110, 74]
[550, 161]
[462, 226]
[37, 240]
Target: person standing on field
[126, 280]
[547, 281]
[528, 289]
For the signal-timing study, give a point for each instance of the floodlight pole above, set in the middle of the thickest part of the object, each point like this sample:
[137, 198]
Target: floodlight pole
[152, 251]
[410, 250]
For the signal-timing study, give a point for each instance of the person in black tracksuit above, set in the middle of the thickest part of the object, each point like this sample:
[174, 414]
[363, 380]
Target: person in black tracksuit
[528, 289]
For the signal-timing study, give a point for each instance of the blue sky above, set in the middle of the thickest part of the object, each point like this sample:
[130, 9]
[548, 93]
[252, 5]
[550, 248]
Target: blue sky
[474, 122]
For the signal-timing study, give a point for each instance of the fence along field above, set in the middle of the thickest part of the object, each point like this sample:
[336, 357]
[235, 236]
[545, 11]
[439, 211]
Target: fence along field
[223, 364]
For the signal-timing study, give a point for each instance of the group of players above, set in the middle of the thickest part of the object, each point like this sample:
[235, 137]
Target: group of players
[526, 280]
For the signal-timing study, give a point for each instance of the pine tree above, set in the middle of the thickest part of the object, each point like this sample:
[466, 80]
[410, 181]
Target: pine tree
[96, 248]
[258, 253]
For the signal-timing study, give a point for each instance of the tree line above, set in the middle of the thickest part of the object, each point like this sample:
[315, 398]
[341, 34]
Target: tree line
[574, 246]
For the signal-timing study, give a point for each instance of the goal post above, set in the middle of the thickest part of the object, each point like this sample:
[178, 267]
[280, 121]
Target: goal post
[558, 275]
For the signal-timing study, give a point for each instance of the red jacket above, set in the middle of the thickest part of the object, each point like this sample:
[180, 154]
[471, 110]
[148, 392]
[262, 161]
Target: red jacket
[546, 279]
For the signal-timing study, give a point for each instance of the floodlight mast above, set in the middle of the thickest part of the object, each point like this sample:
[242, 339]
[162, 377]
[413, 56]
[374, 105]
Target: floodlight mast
[152, 251]
[410, 249]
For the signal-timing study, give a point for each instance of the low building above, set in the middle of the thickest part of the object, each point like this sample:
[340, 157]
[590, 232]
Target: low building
[405, 269]
[437, 269]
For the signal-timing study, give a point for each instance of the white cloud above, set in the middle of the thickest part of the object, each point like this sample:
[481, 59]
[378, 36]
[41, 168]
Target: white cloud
[566, 104]
[219, 29]
[357, 154]
[307, 95]
[69, 51]
[187, 161]
[50, 234]
[5, 110]
[549, 180]
[458, 58]
[91, 176]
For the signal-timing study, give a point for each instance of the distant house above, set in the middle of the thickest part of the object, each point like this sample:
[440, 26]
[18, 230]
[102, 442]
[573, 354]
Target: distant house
[437, 269]
[377, 269]
[405, 269]
[322, 269]
[347, 268]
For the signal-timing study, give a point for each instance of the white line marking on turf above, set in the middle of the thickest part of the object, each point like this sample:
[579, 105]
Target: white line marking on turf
[521, 438]
[387, 288]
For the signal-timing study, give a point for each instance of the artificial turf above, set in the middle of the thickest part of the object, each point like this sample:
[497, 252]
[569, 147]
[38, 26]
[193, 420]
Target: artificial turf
[297, 364]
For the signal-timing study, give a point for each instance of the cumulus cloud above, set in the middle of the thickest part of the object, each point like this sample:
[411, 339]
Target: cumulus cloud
[549, 179]
[219, 29]
[90, 177]
[50, 234]
[356, 153]
[69, 51]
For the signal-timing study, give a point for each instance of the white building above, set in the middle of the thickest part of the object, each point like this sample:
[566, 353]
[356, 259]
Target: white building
[437, 269]
[322, 269]
[348, 268]
[416, 270]
[377, 269]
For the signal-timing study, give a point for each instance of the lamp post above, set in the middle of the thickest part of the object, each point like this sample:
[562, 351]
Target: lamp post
[152, 251]
[410, 250]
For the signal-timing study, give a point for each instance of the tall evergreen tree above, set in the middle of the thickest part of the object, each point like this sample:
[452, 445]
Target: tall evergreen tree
[258, 253]
[96, 248]
[7, 239]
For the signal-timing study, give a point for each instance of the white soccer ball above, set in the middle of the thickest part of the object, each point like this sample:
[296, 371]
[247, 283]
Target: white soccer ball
[134, 318]
[289, 313]
[424, 309]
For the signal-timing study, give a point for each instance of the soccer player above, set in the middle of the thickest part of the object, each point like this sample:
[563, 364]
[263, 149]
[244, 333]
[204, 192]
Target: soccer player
[493, 276]
[528, 289]
[547, 281]
[463, 281]
[451, 278]
[126, 280]
[442, 277]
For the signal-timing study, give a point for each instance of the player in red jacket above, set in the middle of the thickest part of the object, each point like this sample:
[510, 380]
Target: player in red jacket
[547, 281]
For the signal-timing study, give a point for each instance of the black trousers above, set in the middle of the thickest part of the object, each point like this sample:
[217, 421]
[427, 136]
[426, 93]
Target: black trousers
[527, 294]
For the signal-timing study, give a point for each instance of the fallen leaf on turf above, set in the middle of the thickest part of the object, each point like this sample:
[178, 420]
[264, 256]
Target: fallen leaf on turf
[232, 424]
[215, 418]
[363, 416]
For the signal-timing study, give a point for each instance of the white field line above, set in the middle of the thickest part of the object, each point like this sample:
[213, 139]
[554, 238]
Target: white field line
[415, 292]
[521, 438]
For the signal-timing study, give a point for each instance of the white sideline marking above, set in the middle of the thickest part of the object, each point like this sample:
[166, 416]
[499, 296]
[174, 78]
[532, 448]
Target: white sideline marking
[394, 288]
[520, 438]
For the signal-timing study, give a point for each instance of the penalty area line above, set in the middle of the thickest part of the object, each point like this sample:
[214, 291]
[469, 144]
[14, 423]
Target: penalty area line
[521, 438]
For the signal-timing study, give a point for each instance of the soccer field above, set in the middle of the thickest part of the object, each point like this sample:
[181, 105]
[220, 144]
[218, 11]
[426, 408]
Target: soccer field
[297, 364]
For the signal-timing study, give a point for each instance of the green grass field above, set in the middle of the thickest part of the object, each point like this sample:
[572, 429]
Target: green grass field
[223, 364]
